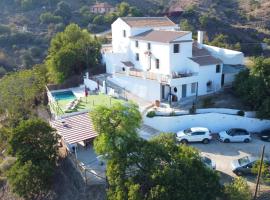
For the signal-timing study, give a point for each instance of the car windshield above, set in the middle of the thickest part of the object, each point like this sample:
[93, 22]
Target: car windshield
[187, 131]
[230, 132]
[243, 161]
[206, 160]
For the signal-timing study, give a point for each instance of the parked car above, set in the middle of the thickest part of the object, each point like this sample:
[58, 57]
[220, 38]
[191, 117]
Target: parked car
[208, 162]
[265, 135]
[235, 135]
[195, 134]
[244, 165]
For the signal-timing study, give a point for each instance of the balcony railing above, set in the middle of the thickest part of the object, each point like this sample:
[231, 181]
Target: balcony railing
[155, 76]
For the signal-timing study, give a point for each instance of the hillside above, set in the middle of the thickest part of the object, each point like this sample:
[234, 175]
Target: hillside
[27, 26]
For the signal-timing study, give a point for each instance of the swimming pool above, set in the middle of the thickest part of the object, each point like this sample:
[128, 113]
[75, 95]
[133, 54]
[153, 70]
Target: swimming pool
[66, 95]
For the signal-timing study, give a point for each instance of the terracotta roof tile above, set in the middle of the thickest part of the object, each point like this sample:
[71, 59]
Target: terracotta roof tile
[148, 21]
[75, 128]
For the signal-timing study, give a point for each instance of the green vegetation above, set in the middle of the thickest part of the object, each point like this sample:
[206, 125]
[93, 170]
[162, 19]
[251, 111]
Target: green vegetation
[237, 190]
[87, 103]
[151, 114]
[265, 173]
[155, 169]
[21, 92]
[253, 87]
[34, 143]
[71, 52]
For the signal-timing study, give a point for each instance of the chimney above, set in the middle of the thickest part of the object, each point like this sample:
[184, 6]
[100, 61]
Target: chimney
[200, 39]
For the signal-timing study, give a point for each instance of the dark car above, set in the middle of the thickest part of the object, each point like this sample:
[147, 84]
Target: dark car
[265, 135]
[244, 165]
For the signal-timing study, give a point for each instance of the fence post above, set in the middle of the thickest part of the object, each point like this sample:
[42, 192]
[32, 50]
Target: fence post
[85, 176]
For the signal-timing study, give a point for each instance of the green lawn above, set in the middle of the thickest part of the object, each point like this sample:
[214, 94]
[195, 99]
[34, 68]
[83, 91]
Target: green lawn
[86, 103]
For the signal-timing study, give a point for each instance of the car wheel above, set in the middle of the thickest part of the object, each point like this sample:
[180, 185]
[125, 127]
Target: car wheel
[238, 173]
[226, 140]
[246, 140]
[183, 141]
[205, 141]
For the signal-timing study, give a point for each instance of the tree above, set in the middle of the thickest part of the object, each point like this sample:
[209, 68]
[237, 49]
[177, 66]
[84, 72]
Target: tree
[123, 9]
[63, 10]
[156, 169]
[115, 126]
[71, 52]
[47, 18]
[186, 26]
[253, 86]
[20, 91]
[237, 190]
[34, 143]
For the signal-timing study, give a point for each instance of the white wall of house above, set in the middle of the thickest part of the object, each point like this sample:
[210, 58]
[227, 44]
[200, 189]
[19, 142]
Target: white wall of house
[208, 73]
[216, 122]
[227, 56]
[146, 89]
[114, 61]
[159, 51]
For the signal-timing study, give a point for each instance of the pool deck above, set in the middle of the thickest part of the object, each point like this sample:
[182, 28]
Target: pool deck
[84, 104]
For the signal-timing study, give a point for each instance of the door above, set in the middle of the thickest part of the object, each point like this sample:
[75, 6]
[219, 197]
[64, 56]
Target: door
[222, 80]
[184, 91]
[162, 92]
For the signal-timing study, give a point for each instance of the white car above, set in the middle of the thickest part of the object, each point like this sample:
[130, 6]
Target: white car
[235, 135]
[208, 162]
[195, 134]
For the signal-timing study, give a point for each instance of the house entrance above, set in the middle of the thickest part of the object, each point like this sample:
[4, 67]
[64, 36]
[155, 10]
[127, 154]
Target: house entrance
[222, 80]
[184, 91]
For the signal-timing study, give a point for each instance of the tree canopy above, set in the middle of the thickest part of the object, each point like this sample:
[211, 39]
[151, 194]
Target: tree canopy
[21, 90]
[34, 143]
[155, 169]
[253, 86]
[71, 52]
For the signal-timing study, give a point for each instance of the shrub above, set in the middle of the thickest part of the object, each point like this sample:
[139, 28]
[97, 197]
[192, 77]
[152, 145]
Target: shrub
[208, 102]
[7, 164]
[241, 113]
[172, 113]
[237, 190]
[151, 114]
[2, 71]
[48, 17]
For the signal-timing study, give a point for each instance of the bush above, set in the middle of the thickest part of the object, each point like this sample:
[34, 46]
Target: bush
[151, 114]
[48, 17]
[208, 102]
[2, 71]
[172, 113]
[237, 190]
[241, 113]
[7, 164]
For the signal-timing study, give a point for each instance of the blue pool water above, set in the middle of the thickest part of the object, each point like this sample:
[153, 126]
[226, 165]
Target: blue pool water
[66, 95]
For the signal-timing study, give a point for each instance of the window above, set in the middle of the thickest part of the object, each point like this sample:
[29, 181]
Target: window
[136, 43]
[193, 88]
[217, 68]
[176, 48]
[124, 33]
[157, 63]
[175, 89]
[137, 57]
[149, 46]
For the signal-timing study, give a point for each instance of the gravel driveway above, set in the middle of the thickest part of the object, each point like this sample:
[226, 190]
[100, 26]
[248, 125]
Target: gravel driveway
[224, 153]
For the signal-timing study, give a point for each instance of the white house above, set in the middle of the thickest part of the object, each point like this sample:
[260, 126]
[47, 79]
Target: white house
[153, 59]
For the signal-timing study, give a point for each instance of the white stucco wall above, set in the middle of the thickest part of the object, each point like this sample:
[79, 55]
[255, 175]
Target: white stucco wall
[146, 89]
[208, 73]
[227, 56]
[114, 61]
[214, 121]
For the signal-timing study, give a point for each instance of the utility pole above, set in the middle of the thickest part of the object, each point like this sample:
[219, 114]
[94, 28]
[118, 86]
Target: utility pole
[259, 174]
